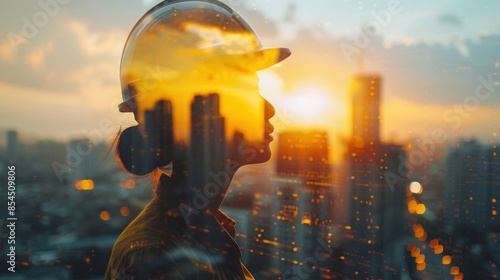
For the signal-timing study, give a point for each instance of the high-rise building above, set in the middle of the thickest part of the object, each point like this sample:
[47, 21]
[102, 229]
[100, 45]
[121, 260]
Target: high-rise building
[85, 159]
[466, 186]
[471, 212]
[365, 91]
[208, 142]
[375, 207]
[303, 154]
[493, 184]
[261, 244]
[160, 121]
[302, 206]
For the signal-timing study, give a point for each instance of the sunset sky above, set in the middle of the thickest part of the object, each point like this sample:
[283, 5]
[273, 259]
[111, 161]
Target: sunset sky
[63, 77]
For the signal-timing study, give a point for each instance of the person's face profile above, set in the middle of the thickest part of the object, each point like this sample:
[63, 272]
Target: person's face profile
[222, 106]
[189, 75]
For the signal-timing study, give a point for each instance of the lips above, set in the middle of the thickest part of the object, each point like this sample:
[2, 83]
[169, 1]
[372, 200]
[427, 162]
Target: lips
[268, 130]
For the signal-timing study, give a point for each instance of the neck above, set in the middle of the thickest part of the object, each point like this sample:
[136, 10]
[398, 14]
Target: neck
[206, 198]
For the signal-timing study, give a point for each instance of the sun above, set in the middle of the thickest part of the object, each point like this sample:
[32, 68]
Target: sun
[311, 104]
[308, 102]
[307, 105]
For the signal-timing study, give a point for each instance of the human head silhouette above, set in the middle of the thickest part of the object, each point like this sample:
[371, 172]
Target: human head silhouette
[189, 75]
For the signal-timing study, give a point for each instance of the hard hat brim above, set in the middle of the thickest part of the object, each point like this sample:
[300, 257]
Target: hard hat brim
[254, 61]
[265, 58]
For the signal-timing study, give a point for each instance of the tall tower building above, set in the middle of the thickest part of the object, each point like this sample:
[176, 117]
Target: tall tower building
[208, 142]
[365, 91]
[375, 210]
[160, 120]
[471, 204]
[493, 184]
[303, 206]
[466, 186]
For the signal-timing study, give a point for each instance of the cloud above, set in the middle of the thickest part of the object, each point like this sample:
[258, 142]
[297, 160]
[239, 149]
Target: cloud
[260, 22]
[63, 52]
[80, 56]
[37, 57]
[461, 47]
[50, 114]
[29, 108]
[98, 85]
[291, 12]
[149, 3]
[390, 41]
[450, 20]
[96, 43]
[7, 53]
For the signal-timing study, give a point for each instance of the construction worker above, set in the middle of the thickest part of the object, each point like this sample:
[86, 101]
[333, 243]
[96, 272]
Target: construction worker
[189, 76]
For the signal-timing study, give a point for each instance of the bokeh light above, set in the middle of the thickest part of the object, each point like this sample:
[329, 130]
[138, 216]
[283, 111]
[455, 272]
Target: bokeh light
[105, 216]
[416, 188]
[124, 211]
[84, 185]
[446, 259]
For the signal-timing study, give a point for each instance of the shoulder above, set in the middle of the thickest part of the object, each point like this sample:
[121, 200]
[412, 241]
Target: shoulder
[152, 248]
[163, 262]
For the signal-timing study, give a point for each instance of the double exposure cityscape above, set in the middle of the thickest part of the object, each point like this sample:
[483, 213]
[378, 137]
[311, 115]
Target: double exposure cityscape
[385, 161]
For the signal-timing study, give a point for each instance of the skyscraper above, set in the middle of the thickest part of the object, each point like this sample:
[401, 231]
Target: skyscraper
[466, 186]
[493, 183]
[375, 209]
[303, 206]
[471, 212]
[208, 142]
[161, 117]
[365, 91]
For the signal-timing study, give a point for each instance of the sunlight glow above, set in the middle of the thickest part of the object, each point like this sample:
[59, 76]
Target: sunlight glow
[312, 104]
[309, 102]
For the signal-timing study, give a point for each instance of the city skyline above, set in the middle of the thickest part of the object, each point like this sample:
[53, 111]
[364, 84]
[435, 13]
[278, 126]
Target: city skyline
[445, 62]
[385, 160]
[362, 221]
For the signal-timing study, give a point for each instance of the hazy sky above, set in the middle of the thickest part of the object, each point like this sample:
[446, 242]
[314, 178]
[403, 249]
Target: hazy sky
[62, 76]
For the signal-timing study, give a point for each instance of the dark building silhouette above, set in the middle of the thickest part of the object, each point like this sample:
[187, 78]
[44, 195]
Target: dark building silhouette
[160, 122]
[158, 131]
[208, 144]
[493, 183]
[471, 186]
[237, 144]
[471, 212]
[302, 207]
[374, 232]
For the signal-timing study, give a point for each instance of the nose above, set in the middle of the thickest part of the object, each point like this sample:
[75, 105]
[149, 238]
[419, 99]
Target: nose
[268, 110]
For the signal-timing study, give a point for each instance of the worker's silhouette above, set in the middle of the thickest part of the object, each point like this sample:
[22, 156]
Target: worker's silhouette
[188, 75]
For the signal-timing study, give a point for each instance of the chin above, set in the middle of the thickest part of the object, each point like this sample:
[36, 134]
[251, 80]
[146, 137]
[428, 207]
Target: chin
[261, 158]
[263, 153]
[252, 153]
